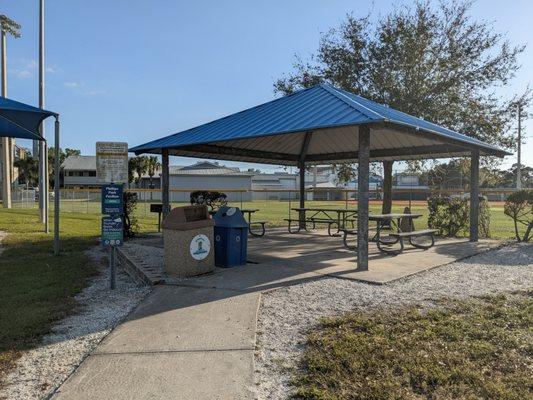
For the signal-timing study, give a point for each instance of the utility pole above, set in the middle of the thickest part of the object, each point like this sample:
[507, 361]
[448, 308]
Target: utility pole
[519, 158]
[6, 145]
[43, 156]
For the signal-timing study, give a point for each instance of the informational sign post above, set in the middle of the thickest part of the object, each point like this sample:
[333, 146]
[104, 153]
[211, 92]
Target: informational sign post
[112, 172]
[112, 162]
[112, 199]
[112, 230]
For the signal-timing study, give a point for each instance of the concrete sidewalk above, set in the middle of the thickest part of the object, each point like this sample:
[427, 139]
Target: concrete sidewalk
[180, 343]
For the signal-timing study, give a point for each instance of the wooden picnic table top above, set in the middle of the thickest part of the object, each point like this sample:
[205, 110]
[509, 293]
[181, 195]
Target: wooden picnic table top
[384, 217]
[338, 210]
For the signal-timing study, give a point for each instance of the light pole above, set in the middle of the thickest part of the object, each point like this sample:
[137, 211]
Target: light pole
[6, 145]
[43, 156]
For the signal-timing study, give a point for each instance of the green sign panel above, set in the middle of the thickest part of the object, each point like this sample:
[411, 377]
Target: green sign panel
[112, 233]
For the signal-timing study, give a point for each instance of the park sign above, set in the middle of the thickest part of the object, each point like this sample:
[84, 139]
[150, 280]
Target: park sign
[112, 199]
[112, 162]
[112, 233]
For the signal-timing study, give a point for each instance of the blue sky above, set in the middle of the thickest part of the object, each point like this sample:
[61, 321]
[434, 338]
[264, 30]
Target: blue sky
[137, 70]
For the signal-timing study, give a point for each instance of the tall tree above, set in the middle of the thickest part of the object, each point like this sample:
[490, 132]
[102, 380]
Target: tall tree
[139, 165]
[153, 165]
[434, 62]
[28, 170]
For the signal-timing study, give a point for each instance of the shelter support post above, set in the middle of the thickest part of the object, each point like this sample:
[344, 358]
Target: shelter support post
[474, 196]
[57, 195]
[301, 166]
[165, 182]
[387, 187]
[301, 215]
[363, 176]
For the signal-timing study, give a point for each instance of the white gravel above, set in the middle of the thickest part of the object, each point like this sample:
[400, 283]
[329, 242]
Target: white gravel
[41, 370]
[288, 313]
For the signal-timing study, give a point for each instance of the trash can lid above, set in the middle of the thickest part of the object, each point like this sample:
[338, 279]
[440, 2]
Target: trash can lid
[187, 218]
[230, 217]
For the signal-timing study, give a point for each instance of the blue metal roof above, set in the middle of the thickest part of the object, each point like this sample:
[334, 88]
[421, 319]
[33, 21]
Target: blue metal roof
[20, 120]
[319, 107]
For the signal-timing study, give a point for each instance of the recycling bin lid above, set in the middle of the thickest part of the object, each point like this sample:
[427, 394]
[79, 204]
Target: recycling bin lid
[229, 217]
[187, 218]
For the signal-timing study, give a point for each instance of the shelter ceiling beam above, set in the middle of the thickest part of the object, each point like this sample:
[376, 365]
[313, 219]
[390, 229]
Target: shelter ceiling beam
[381, 153]
[234, 151]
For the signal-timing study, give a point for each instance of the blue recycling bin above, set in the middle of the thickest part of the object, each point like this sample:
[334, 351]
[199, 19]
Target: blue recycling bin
[231, 237]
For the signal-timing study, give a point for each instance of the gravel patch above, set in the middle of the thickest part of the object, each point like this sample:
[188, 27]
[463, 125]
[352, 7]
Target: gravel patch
[287, 314]
[41, 370]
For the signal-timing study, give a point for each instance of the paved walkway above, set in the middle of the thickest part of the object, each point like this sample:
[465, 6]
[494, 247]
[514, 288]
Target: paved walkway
[196, 339]
[180, 343]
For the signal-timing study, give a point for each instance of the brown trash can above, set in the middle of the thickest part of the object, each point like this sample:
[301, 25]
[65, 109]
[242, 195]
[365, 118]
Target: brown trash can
[188, 242]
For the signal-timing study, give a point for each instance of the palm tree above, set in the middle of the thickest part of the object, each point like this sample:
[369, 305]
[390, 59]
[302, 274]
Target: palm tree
[153, 165]
[140, 166]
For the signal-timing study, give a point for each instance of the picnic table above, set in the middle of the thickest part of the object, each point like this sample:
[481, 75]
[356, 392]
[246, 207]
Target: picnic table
[249, 212]
[399, 226]
[329, 216]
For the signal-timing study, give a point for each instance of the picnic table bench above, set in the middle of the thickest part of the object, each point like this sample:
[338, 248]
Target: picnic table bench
[404, 225]
[329, 216]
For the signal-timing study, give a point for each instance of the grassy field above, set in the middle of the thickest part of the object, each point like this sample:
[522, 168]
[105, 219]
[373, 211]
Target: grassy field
[37, 288]
[274, 212]
[474, 349]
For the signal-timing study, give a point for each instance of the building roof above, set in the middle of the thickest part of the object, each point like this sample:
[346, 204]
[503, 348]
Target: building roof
[333, 116]
[221, 171]
[80, 163]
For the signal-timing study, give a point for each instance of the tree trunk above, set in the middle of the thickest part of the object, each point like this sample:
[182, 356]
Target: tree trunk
[386, 207]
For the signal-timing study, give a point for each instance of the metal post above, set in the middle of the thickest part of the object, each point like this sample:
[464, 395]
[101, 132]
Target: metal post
[5, 156]
[301, 217]
[363, 176]
[165, 182]
[301, 166]
[519, 155]
[112, 273]
[474, 195]
[43, 171]
[56, 190]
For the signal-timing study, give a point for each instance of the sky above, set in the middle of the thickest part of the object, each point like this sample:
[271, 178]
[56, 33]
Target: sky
[135, 71]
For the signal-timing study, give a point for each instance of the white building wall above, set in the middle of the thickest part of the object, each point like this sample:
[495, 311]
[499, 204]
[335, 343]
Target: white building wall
[220, 183]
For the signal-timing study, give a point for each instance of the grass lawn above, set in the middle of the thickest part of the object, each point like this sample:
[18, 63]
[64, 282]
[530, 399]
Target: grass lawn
[274, 211]
[480, 348]
[37, 288]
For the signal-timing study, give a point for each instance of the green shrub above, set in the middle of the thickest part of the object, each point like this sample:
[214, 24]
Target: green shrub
[211, 199]
[131, 226]
[451, 215]
[519, 206]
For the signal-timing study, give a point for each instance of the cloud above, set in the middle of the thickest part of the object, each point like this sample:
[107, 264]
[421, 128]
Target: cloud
[20, 73]
[32, 64]
[51, 70]
[80, 88]
[73, 85]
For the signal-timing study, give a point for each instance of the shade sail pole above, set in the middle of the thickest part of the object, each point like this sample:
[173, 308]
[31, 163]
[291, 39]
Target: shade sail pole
[57, 194]
[474, 196]
[165, 182]
[363, 175]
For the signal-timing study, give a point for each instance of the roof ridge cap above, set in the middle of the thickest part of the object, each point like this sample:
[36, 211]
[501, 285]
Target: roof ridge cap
[349, 101]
